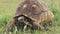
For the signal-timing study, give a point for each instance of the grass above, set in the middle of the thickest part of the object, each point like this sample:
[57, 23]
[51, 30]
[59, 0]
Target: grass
[8, 8]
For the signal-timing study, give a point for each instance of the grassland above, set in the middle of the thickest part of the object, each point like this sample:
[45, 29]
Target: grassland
[8, 8]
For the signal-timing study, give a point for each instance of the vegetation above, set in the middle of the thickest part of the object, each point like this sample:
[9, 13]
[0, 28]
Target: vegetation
[8, 8]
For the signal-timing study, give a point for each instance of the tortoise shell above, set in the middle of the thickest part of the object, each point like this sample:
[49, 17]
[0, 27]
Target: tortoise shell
[32, 9]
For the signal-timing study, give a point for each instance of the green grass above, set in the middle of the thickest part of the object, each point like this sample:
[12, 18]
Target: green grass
[8, 8]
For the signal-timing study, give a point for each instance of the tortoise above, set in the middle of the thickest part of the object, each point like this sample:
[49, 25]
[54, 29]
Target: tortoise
[33, 13]
[36, 11]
